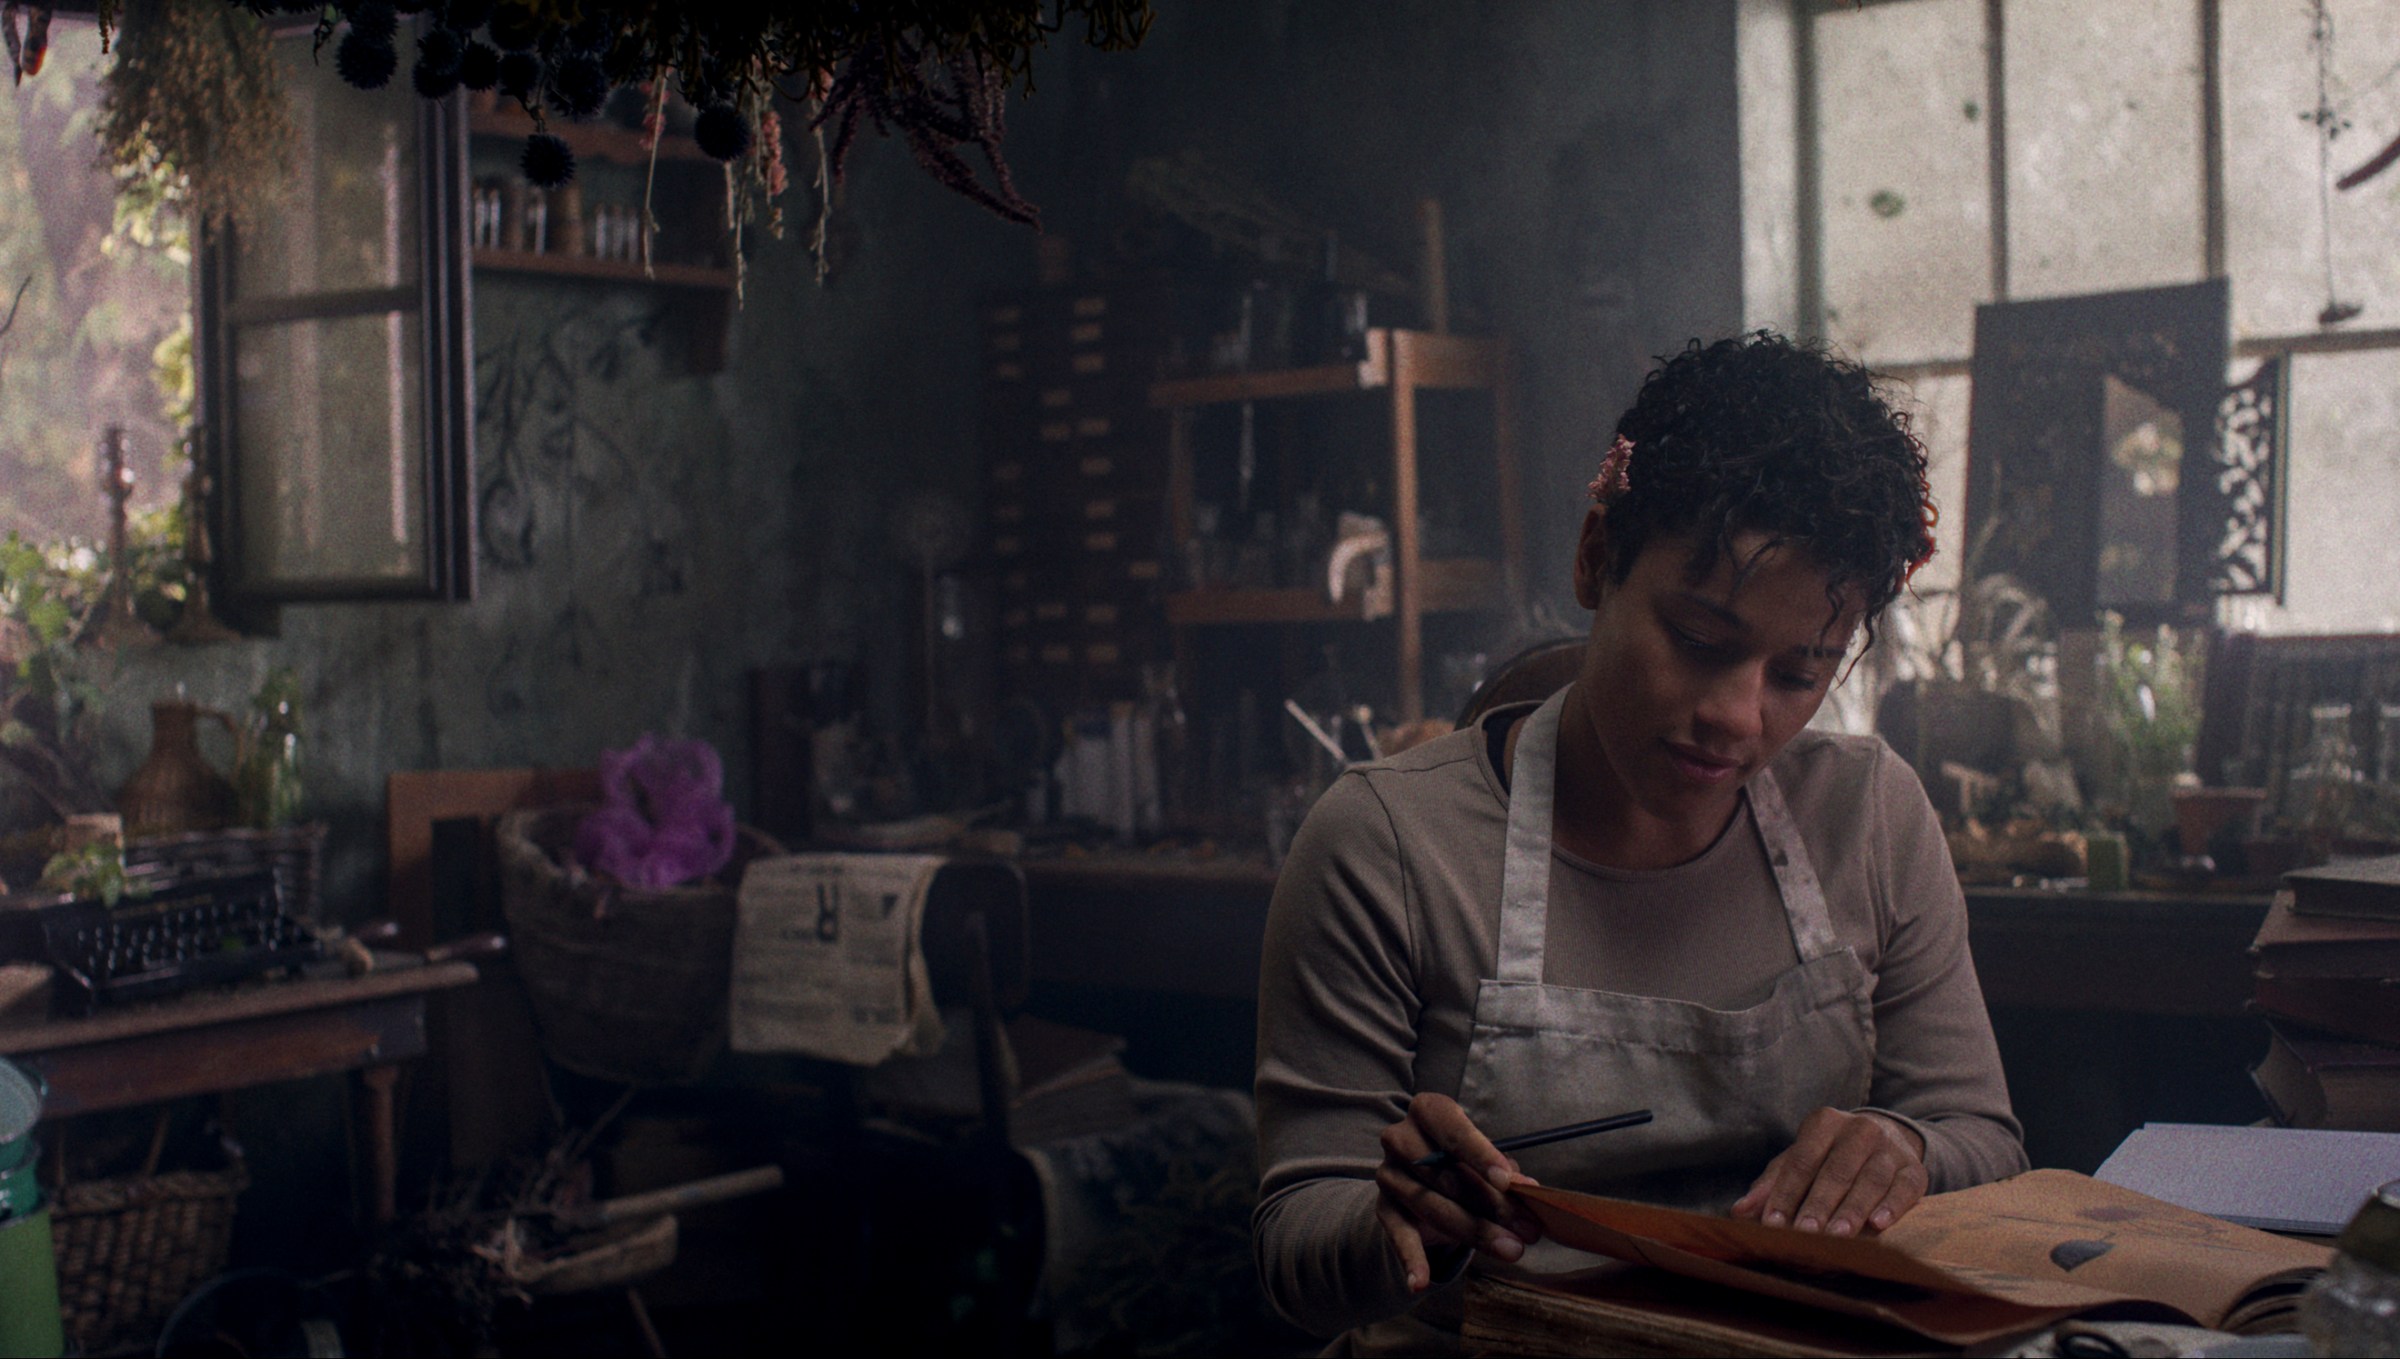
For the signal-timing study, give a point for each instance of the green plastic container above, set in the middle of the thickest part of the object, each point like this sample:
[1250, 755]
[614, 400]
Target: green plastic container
[20, 1189]
[20, 1109]
[29, 1321]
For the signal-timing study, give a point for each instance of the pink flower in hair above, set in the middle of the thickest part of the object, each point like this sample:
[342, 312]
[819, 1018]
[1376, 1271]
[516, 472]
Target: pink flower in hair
[1614, 479]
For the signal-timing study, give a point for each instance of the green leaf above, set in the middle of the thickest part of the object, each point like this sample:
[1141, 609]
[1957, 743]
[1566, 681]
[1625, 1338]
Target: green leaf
[49, 618]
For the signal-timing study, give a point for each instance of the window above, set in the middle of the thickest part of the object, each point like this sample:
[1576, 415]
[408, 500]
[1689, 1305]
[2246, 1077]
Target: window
[1955, 152]
[328, 368]
[97, 311]
[335, 355]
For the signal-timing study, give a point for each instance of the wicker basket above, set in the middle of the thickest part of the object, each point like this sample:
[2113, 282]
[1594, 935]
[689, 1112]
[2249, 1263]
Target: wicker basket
[627, 984]
[129, 1249]
[294, 854]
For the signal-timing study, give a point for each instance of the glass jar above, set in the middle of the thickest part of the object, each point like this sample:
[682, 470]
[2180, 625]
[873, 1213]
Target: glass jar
[2354, 1306]
[2322, 788]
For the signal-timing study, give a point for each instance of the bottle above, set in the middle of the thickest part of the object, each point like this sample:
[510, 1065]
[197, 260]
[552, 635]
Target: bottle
[2321, 795]
[1170, 732]
[1337, 316]
[268, 779]
[175, 789]
[2354, 1306]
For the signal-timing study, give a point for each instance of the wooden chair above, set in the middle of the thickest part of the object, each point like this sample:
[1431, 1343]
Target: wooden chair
[480, 1097]
[1535, 673]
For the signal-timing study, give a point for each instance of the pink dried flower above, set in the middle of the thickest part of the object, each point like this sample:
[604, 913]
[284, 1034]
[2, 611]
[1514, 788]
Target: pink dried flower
[1614, 479]
[770, 135]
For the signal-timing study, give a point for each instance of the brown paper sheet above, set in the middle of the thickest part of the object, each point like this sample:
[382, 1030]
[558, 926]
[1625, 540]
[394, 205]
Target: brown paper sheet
[1968, 1268]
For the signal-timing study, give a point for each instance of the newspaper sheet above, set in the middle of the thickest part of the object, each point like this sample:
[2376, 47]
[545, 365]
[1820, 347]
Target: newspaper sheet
[829, 961]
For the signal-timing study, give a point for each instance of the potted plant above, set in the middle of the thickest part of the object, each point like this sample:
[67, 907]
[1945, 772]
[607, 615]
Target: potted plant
[2150, 709]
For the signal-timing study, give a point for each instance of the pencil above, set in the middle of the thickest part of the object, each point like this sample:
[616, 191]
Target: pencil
[1546, 1136]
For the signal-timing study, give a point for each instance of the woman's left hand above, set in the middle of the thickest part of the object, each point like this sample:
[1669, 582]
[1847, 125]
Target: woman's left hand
[1845, 1172]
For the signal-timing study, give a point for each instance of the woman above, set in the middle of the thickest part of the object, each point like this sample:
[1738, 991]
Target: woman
[1654, 890]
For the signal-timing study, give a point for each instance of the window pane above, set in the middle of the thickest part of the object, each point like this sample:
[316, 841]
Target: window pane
[348, 220]
[1937, 410]
[1905, 178]
[2274, 229]
[340, 403]
[2343, 554]
[82, 351]
[2104, 171]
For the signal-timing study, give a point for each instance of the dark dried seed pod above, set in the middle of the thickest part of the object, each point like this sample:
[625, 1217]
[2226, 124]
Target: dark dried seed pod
[375, 18]
[440, 47]
[578, 87]
[589, 36]
[365, 62]
[479, 66]
[547, 161]
[467, 15]
[626, 64]
[434, 81]
[721, 131]
[520, 74]
[514, 28]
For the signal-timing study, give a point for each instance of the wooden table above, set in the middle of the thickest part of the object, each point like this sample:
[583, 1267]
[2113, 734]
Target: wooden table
[1174, 927]
[210, 1042]
[1150, 923]
[2111, 1008]
[2144, 953]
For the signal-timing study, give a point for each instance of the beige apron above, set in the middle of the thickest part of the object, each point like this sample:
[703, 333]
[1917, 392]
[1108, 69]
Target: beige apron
[1729, 1088]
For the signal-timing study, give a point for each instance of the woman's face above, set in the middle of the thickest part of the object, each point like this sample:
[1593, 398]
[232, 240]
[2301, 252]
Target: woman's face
[1693, 684]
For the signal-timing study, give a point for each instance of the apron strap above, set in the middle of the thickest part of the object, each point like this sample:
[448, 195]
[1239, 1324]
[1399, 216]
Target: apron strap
[1525, 871]
[1795, 873]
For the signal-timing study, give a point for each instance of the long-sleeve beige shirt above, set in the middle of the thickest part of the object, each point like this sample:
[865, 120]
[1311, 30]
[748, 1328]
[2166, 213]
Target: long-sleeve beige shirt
[1385, 921]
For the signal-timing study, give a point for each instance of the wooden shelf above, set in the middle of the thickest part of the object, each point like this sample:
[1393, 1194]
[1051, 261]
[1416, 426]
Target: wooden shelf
[598, 141]
[707, 277]
[1459, 585]
[1443, 362]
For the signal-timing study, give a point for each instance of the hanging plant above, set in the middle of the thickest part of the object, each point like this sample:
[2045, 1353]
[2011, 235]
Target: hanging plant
[192, 109]
[934, 72]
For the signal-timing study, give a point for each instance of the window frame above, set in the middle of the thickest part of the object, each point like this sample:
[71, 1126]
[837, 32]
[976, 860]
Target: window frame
[443, 299]
[1785, 43]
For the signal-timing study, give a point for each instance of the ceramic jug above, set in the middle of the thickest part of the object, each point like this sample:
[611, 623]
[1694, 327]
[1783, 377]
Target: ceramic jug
[176, 789]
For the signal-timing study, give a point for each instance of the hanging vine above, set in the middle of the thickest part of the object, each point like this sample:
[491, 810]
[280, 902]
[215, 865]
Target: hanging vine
[936, 73]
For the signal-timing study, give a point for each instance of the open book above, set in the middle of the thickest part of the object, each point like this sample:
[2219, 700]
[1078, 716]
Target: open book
[1968, 1268]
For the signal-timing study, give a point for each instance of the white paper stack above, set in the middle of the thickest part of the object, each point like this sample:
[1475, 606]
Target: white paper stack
[2276, 1179]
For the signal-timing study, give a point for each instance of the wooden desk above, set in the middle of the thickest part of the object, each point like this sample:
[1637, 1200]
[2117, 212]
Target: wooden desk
[2111, 1009]
[209, 1042]
[1148, 923]
[2146, 953]
[1650, 1312]
[1166, 926]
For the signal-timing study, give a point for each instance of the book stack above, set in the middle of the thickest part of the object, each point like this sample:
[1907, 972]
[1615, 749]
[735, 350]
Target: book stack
[2327, 967]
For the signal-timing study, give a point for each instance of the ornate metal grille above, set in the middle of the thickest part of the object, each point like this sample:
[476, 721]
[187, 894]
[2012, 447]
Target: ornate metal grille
[2250, 449]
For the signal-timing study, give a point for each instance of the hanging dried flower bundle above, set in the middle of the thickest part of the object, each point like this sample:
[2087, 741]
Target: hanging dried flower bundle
[192, 109]
[935, 72]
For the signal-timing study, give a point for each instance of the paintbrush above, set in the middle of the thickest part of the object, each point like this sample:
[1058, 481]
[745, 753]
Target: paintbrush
[1545, 1137]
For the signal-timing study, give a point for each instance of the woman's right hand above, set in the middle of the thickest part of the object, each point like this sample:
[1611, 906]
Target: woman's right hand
[1462, 1203]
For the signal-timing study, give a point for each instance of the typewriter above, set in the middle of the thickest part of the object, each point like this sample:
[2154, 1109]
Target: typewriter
[170, 938]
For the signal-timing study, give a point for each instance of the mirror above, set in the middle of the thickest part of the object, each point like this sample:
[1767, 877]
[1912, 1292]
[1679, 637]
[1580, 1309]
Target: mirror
[2139, 478]
[2093, 461]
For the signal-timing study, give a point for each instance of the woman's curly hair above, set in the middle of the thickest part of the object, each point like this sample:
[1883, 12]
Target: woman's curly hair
[1766, 434]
